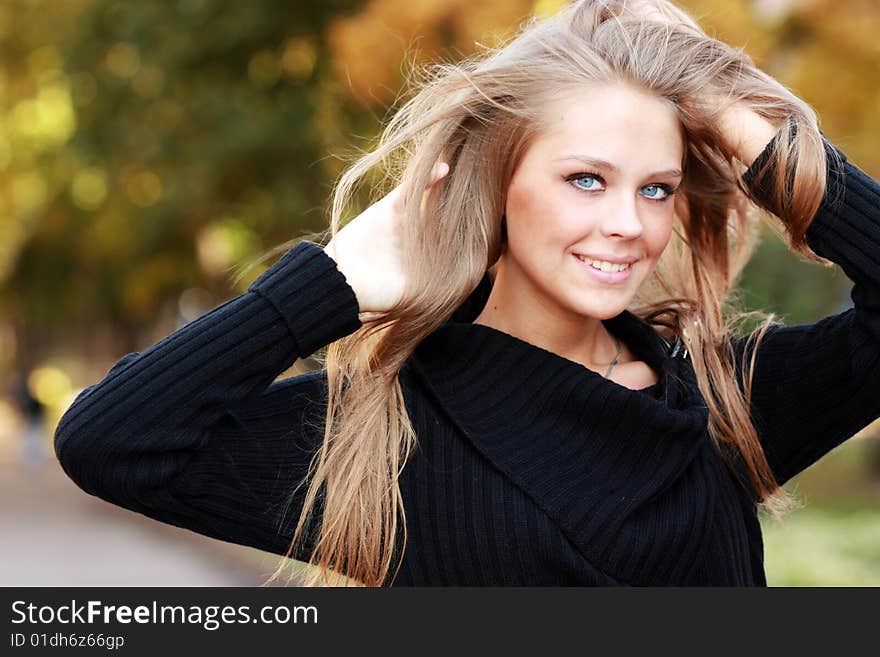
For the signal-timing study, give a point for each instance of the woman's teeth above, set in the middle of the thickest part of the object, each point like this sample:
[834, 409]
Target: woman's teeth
[604, 265]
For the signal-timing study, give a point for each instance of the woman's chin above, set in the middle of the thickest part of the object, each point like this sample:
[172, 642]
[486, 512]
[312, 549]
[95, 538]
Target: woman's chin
[607, 310]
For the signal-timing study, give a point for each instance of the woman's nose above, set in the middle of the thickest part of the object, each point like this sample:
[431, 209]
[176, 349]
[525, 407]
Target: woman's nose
[621, 216]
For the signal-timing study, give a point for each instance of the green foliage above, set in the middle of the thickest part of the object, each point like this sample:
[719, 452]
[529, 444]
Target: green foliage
[824, 547]
[148, 147]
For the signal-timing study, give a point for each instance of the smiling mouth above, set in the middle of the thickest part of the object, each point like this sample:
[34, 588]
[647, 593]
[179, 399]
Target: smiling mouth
[604, 265]
[606, 276]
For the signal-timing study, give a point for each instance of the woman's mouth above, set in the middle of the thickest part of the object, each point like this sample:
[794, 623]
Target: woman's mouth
[606, 272]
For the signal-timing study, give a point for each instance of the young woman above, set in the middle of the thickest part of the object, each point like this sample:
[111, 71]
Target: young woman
[528, 378]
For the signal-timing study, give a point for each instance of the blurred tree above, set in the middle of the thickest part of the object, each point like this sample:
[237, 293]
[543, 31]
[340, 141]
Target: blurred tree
[146, 147]
[188, 115]
[159, 143]
[826, 52]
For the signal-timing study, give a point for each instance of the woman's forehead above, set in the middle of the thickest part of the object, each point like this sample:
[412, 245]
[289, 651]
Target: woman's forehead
[614, 127]
[610, 105]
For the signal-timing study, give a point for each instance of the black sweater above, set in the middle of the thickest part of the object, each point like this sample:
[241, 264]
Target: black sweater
[530, 469]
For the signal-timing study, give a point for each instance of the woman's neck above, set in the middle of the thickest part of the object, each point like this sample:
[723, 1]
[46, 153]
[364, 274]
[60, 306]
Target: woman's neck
[514, 308]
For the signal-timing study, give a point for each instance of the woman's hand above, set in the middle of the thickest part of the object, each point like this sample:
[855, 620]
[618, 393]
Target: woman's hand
[368, 250]
[746, 132]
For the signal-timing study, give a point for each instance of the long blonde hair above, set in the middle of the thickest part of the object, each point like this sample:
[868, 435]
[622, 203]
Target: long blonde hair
[479, 115]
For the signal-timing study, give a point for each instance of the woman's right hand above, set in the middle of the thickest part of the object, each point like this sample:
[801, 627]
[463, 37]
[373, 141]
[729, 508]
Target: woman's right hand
[368, 250]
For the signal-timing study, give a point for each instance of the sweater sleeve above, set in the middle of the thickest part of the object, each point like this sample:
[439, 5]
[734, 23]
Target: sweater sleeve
[193, 432]
[816, 385]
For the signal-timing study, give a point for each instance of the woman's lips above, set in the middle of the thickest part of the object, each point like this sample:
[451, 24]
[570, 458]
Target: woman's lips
[610, 277]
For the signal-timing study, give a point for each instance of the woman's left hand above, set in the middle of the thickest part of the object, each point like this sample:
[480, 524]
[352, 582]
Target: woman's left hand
[746, 132]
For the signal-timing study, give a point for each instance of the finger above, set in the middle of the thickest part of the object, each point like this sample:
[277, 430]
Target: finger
[438, 172]
[396, 196]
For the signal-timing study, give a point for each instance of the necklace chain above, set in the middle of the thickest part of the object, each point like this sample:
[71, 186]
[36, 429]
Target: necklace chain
[616, 356]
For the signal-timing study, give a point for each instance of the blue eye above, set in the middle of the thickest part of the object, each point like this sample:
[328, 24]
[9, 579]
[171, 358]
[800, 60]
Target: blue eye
[585, 177]
[654, 195]
[593, 182]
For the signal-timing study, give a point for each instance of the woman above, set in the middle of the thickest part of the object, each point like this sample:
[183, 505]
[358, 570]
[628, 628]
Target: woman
[528, 378]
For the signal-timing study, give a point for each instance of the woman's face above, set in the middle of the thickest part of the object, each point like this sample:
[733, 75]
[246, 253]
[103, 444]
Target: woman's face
[598, 181]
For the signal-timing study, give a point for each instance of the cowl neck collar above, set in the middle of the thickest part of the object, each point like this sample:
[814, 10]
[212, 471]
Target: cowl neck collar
[460, 342]
[505, 366]
[574, 440]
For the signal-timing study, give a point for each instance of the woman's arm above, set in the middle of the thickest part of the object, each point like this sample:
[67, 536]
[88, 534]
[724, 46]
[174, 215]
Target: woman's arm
[816, 385]
[193, 432]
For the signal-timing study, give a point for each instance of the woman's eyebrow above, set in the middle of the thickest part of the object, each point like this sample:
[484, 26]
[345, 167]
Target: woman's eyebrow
[604, 164]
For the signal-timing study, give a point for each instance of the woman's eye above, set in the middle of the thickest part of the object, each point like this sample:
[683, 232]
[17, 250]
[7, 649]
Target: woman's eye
[585, 182]
[655, 192]
[590, 182]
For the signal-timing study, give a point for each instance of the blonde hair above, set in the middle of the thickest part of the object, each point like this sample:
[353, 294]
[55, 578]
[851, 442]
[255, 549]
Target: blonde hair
[479, 115]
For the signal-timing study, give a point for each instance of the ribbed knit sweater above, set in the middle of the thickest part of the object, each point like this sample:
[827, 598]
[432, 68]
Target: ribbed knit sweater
[531, 469]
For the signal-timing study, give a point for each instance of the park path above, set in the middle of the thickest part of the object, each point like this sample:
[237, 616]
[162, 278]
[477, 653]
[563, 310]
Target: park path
[54, 534]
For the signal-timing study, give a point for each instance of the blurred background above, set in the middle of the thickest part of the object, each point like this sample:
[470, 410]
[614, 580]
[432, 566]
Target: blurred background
[148, 147]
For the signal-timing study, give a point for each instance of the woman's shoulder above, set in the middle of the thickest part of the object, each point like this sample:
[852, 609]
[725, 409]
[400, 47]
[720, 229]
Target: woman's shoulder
[284, 400]
[304, 398]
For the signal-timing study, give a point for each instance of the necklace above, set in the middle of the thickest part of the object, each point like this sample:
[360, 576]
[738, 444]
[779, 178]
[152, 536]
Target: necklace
[616, 356]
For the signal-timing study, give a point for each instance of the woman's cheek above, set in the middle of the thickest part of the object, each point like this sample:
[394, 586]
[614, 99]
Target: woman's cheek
[661, 233]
